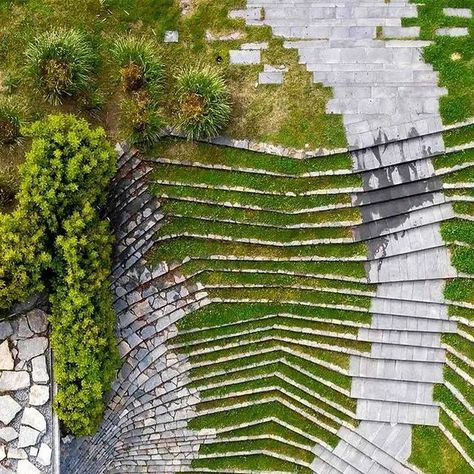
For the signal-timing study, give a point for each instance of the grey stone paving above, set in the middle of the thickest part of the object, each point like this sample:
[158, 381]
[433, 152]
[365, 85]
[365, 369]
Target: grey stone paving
[453, 32]
[144, 428]
[26, 421]
[389, 100]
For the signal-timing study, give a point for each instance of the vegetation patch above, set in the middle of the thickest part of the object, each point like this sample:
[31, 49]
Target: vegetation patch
[451, 56]
[55, 241]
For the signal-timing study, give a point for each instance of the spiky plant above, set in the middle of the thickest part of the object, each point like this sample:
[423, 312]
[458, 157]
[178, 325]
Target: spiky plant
[12, 118]
[141, 66]
[204, 102]
[141, 122]
[60, 63]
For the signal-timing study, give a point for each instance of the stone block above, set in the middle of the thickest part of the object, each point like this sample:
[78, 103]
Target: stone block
[245, 57]
[8, 409]
[458, 12]
[171, 37]
[6, 358]
[453, 32]
[270, 77]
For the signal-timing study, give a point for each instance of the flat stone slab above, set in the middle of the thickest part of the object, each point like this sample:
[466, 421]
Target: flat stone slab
[247, 46]
[6, 358]
[171, 36]
[275, 77]
[247, 14]
[8, 409]
[453, 32]
[245, 57]
[459, 12]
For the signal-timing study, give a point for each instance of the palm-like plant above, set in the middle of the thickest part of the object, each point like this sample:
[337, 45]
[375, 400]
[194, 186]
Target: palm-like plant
[60, 63]
[204, 102]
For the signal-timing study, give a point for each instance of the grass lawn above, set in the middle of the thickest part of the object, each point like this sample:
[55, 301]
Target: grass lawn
[433, 453]
[292, 115]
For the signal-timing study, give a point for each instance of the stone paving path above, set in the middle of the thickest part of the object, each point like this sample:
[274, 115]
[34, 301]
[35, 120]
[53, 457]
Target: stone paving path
[389, 101]
[144, 428]
[26, 422]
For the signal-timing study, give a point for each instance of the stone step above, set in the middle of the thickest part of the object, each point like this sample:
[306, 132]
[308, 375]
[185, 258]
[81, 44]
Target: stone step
[410, 323]
[400, 152]
[387, 451]
[400, 206]
[430, 291]
[392, 390]
[403, 222]
[415, 371]
[419, 239]
[394, 412]
[406, 352]
[395, 440]
[343, 75]
[327, 462]
[396, 126]
[396, 187]
[399, 337]
[409, 308]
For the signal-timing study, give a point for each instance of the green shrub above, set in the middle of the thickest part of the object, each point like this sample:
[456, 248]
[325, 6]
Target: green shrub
[55, 241]
[60, 63]
[140, 64]
[68, 165]
[204, 103]
[83, 321]
[12, 118]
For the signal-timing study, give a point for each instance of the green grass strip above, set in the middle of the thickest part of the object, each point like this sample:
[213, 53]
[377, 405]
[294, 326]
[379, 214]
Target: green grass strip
[247, 216]
[459, 136]
[232, 178]
[282, 203]
[179, 248]
[433, 453]
[181, 150]
[178, 226]
[219, 314]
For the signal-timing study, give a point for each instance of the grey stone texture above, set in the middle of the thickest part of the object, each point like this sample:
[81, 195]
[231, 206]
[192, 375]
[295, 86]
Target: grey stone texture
[245, 57]
[171, 36]
[458, 12]
[26, 418]
[453, 32]
[389, 100]
[145, 425]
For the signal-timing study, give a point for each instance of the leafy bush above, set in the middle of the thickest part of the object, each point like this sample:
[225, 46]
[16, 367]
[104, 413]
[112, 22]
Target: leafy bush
[204, 103]
[60, 63]
[55, 241]
[83, 321]
[140, 64]
[12, 118]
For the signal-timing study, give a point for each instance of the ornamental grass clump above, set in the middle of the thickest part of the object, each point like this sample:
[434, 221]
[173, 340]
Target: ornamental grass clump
[203, 101]
[12, 118]
[142, 124]
[141, 66]
[60, 63]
